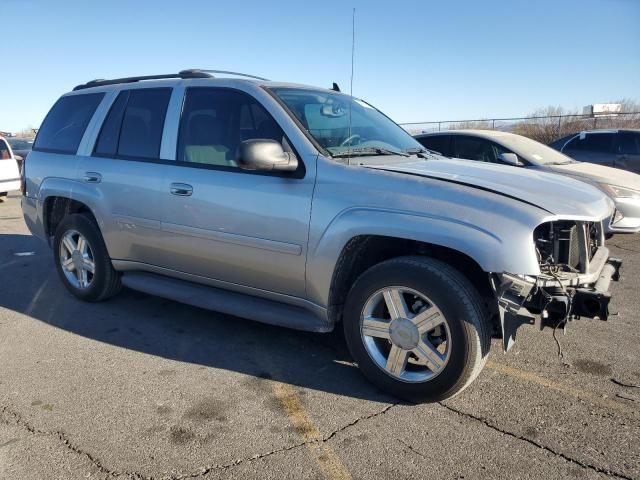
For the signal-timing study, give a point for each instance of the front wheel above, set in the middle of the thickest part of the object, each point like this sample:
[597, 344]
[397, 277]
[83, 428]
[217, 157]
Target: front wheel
[417, 328]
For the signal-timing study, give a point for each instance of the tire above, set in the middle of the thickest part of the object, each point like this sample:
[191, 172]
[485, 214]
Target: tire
[104, 282]
[436, 290]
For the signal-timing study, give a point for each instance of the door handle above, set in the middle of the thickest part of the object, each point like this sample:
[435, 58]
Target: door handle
[92, 177]
[181, 189]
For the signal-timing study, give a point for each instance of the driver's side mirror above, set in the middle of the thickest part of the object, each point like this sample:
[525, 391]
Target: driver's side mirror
[266, 155]
[510, 159]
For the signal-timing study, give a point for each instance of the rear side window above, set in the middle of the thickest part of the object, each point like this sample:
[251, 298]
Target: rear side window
[437, 143]
[593, 142]
[133, 128]
[4, 151]
[64, 126]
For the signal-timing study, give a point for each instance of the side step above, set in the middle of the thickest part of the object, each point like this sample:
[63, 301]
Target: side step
[225, 301]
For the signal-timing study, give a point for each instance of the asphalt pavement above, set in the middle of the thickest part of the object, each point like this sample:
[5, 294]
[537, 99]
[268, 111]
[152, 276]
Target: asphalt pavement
[145, 388]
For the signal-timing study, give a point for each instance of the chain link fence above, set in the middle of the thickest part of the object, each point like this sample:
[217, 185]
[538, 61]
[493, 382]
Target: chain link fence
[544, 129]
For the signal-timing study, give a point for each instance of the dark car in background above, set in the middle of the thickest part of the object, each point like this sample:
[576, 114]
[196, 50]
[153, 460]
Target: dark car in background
[513, 150]
[613, 148]
[21, 147]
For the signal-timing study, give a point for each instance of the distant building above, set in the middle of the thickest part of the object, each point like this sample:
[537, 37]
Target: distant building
[602, 109]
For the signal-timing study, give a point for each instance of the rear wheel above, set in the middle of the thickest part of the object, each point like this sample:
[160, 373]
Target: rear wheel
[82, 260]
[417, 328]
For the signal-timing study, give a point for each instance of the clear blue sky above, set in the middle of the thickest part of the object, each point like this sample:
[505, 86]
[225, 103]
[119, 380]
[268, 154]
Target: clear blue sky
[415, 60]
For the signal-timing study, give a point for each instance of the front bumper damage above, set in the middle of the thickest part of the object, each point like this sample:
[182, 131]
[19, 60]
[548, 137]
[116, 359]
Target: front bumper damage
[553, 298]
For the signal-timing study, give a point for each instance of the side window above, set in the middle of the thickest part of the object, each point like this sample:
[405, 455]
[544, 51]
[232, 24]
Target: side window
[133, 127]
[629, 143]
[471, 148]
[107, 144]
[215, 121]
[4, 150]
[499, 149]
[572, 145]
[593, 142]
[437, 143]
[64, 125]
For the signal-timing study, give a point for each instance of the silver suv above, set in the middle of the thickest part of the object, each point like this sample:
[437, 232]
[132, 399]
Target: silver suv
[306, 208]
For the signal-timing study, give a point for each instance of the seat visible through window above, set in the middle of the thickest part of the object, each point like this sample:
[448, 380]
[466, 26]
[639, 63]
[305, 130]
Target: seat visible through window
[204, 141]
[215, 121]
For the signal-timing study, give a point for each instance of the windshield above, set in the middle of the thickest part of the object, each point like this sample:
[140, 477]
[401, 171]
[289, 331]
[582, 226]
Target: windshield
[20, 144]
[344, 125]
[535, 152]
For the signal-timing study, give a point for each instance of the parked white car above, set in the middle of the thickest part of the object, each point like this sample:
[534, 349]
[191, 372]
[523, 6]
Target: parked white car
[9, 172]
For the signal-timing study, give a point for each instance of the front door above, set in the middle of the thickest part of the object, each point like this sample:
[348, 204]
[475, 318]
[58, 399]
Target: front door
[221, 222]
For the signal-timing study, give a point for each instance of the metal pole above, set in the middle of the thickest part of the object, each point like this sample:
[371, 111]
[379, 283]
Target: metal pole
[559, 127]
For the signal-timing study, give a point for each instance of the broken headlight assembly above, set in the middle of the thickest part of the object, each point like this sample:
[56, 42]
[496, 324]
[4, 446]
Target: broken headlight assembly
[575, 274]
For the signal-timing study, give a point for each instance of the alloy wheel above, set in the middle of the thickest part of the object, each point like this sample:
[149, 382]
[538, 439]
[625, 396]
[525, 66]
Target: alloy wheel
[405, 334]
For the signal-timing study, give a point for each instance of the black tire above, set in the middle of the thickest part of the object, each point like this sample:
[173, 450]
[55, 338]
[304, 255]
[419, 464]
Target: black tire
[459, 302]
[106, 281]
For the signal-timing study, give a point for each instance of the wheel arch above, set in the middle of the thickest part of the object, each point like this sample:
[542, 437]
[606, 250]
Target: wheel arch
[55, 208]
[59, 197]
[364, 251]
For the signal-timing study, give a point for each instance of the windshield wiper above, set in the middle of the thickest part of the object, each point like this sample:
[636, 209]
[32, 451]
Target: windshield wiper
[360, 152]
[421, 151]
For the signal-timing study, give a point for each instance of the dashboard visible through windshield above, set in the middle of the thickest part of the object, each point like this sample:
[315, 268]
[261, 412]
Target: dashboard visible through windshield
[344, 125]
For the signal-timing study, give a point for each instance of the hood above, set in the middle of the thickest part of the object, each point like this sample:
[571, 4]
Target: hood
[599, 174]
[556, 194]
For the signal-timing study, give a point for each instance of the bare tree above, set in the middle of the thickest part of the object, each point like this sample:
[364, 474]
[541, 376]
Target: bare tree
[471, 125]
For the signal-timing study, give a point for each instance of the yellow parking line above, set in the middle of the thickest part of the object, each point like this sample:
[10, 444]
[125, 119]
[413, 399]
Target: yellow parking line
[562, 388]
[330, 464]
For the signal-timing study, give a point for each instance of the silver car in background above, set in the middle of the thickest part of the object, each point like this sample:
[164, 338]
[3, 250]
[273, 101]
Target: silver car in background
[504, 148]
[307, 208]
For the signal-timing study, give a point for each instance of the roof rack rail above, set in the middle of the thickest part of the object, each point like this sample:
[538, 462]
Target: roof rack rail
[225, 72]
[115, 81]
[190, 73]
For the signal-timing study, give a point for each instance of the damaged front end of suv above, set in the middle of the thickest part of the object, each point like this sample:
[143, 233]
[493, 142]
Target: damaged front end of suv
[573, 282]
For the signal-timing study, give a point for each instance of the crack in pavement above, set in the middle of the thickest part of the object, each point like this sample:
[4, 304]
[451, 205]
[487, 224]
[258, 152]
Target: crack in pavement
[412, 449]
[19, 421]
[564, 456]
[623, 248]
[203, 471]
[358, 420]
[207, 470]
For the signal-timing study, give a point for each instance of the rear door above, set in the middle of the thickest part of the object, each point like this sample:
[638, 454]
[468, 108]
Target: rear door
[221, 222]
[628, 155]
[593, 147]
[124, 171]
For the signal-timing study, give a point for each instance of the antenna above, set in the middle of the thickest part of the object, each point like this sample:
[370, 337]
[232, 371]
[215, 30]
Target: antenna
[353, 48]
